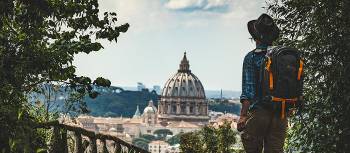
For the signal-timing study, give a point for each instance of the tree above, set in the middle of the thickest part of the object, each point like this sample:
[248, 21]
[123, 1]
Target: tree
[226, 137]
[148, 137]
[209, 139]
[38, 42]
[162, 133]
[174, 139]
[320, 30]
[143, 141]
[191, 143]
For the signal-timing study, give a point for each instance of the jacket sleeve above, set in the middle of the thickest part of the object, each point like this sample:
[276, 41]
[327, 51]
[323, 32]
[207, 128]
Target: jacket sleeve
[248, 79]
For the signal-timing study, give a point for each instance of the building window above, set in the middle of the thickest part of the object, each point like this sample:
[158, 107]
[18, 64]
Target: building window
[173, 109]
[183, 109]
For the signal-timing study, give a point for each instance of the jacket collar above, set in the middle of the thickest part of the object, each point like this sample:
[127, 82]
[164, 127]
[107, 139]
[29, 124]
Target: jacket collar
[260, 48]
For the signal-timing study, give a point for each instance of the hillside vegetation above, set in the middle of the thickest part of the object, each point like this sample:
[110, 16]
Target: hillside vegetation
[124, 103]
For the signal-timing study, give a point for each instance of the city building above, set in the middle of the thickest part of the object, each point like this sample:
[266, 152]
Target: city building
[182, 108]
[173, 149]
[158, 146]
[218, 120]
[183, 97]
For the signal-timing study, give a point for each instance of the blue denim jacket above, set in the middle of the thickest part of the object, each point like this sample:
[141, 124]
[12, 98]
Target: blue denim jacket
[251, 89]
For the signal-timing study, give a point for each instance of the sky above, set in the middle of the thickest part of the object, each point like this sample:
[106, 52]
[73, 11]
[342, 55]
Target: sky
[212, 32]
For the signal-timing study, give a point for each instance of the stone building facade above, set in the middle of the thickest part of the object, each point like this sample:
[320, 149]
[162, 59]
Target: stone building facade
[183, 97]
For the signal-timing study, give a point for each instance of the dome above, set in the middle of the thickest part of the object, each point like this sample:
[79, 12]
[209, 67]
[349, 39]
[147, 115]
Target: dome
[150, 108]
[184, 83]
[112, 129]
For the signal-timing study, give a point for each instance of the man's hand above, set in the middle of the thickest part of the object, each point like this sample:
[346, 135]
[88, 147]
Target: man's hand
[243, 118]
[241, 123]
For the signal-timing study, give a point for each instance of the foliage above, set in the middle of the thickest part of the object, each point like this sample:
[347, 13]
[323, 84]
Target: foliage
[143, 141]
[174, 139]
[38, 42]
[224, 107]
[209, 140]
[226, 137]
[191, 143]
[161, 134]
[148, 137]
[320, 29]
[123, 103]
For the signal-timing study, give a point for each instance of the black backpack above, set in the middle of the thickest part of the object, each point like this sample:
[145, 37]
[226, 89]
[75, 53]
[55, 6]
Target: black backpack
[281, 76]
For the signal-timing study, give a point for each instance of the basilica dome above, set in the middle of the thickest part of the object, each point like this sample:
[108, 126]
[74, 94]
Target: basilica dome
[184, 83]
[183, 98]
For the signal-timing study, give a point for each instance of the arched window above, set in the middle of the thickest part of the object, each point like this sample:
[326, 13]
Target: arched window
[191, 109]
[183, 108]
[173, 109]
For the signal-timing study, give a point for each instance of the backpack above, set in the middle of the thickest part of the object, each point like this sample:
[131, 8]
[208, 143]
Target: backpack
[281, 76]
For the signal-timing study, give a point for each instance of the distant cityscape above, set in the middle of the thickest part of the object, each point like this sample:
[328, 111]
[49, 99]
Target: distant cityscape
[227, 94]
[182, 105]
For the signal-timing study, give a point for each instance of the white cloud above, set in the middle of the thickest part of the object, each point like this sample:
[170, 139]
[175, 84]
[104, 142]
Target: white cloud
[182, 4]
[161, 15]
[217, 3]
[140, 14]
[199, 5]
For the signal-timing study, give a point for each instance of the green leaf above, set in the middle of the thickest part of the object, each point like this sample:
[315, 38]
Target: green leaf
[41, 150]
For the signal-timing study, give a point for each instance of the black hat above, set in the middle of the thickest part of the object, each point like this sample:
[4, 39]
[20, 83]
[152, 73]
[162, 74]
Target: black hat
[263, 29]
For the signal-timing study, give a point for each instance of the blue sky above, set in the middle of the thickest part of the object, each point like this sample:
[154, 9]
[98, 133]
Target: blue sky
[212, 32]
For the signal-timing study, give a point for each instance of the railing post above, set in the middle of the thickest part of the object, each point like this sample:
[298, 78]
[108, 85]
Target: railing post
[55, 140]
[93, 145]
[104, 146]
[78, 145]
[117, 148]
[86, 144]
[63, 144]
[131, 150]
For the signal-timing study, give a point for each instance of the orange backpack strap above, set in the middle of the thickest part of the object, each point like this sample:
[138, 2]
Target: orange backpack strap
[300, 69]
[283, 100]
[268, 65]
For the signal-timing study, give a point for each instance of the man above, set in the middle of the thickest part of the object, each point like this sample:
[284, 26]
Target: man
[262, 128]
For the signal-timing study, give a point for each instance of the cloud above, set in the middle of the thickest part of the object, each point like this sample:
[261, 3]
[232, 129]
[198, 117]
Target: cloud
[163, 15]
[220, 6]
[142, 15]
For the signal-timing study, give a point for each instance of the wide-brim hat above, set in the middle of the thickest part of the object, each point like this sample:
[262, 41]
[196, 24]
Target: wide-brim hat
[263, 29]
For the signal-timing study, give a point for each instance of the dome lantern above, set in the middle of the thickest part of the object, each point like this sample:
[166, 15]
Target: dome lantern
[184, 65]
